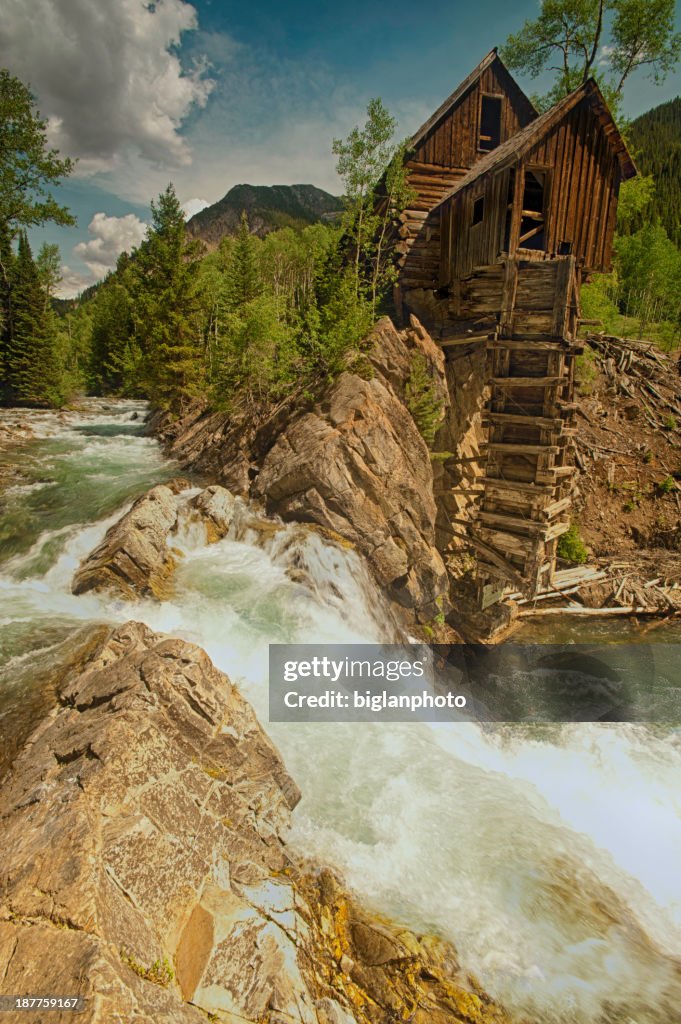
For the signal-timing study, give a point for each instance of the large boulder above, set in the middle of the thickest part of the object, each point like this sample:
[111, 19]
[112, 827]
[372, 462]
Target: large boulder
[145, 869]
[357, 464]
[134, 558]
[139, 553]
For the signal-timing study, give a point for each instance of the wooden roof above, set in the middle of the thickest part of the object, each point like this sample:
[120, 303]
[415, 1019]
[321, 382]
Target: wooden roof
[515, 147]
[452, 100]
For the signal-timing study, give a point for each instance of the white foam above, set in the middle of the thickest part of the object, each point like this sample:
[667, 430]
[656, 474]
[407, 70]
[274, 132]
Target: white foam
[549, 862]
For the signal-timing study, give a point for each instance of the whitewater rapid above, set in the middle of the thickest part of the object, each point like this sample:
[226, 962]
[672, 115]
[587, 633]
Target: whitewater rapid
[549, 858]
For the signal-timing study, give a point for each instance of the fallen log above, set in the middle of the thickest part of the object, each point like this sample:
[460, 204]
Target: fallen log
[578, 609]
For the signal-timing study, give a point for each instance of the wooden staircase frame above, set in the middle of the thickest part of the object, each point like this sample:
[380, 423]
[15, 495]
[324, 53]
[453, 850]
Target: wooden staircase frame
[529, 418]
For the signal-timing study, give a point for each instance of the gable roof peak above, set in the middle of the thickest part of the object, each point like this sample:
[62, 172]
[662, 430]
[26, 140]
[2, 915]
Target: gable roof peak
[460, 91]
[527, 137]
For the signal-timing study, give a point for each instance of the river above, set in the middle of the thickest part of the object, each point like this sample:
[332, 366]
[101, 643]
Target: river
[550, 856]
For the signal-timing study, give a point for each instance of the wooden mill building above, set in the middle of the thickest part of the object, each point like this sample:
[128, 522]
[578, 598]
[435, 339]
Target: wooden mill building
[513, 209]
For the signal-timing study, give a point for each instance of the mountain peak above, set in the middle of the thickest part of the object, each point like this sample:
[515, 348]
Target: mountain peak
[268, 207]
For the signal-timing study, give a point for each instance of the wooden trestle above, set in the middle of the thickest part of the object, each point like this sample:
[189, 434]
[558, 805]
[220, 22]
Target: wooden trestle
[529, 418]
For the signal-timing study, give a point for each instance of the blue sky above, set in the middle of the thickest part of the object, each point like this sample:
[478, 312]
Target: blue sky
[212, 93]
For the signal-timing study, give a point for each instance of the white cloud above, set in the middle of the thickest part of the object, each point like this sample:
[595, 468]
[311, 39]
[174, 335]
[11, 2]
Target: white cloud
[107, 76]
[110, 237]
[72, 283]
[193, 206]
[604, 56]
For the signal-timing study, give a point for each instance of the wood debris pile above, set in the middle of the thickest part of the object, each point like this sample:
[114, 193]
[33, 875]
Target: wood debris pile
[639, 371]
[646, 583]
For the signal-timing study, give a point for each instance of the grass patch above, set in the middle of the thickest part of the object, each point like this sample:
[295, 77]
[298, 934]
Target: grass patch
[571, 547]
[160, 972]
[667, 485]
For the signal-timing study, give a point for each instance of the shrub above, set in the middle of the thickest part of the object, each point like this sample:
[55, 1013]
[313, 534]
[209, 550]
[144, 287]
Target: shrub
[160, 972]
[667, 485]
[423, 399]
[571, 547]
[669, 423]
[586, 371]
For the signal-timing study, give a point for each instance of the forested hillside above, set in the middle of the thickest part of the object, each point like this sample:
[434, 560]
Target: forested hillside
[268, 208]
[656, 140]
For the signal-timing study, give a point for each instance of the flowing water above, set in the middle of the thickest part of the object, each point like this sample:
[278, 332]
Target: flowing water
[548, 855]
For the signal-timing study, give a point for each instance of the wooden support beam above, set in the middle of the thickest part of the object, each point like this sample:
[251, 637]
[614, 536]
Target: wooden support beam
[557, 507]
[550, 476]
[528, 382]
[466, 340]
[521, 345]
[517, 522]
[514, 419]
[502, 564]
[516, 448]
[495, 483]
[557, 530]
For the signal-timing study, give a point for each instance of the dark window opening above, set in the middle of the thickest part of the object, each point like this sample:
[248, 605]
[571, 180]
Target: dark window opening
[490, 123]
[532, 224]
[478, 210]
[565, 249]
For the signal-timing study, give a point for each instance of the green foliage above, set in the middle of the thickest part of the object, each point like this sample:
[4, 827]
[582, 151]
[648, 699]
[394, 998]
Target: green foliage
[244, 326]
[424, 400]
[571, 547]
[27, 166]
[655, 138]
[667, 485]
[36, 367]
[243, 280]
[642, 297]
[160, 972]
[255, 322]
[166, 306]
[568, 36]
[117, 363]
[281, 315]
[669, 423]
[585, 371]
[373, 170]
[32, 368]
[636, 203]
[649, 267]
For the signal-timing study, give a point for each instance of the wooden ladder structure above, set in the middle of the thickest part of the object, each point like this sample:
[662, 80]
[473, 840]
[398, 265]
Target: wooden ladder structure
[529, 416]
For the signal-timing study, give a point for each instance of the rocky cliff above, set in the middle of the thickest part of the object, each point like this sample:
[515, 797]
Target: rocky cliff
[353, 463]
[145, 866]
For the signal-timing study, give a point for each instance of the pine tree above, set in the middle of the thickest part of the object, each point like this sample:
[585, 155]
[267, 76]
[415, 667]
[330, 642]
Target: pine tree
[115, 355]
[243, 273]
[166, 308]
[34, 374]
[6, 267]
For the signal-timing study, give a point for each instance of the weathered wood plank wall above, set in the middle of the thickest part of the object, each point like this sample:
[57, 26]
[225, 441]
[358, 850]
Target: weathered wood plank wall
[582, 187]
